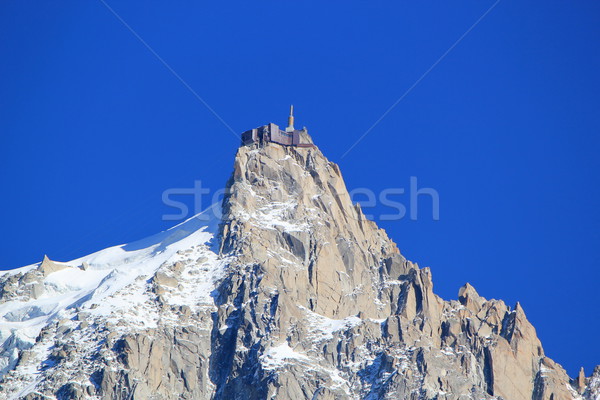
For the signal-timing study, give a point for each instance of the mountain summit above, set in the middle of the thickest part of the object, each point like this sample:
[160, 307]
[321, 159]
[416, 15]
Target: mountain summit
[283, 291]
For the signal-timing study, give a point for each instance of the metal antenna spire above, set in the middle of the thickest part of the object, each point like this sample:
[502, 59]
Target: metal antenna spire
[290, 126]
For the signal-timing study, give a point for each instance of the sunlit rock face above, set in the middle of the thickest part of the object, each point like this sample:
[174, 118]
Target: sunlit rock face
[284, 291]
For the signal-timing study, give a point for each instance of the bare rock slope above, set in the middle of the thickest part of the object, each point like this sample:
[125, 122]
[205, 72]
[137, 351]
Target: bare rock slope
[291, 294]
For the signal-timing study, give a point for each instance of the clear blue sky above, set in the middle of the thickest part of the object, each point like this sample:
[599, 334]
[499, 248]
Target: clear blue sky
[506, 128]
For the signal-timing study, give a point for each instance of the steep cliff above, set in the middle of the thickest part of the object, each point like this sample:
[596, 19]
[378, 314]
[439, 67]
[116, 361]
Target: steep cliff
[291, 294]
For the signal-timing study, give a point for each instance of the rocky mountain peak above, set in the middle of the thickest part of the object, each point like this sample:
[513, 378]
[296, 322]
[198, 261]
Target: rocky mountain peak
[270, 177]
[292, 294]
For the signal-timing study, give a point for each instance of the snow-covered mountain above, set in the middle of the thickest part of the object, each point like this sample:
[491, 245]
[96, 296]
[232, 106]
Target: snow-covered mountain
[291, 294]
[116, 288]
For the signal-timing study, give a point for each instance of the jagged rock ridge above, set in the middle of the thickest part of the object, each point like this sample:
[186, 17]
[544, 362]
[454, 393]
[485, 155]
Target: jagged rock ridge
[292, 294]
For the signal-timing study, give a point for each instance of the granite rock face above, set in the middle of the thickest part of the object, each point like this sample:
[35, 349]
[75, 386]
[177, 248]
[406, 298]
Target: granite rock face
[297, 296]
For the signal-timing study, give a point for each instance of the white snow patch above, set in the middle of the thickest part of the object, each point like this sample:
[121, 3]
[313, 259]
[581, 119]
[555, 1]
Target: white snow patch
[324, 328]
[276, 357]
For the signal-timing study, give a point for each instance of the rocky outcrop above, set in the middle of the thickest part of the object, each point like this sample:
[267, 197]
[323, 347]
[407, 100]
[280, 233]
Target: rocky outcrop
[592, 389]
[48, 266]
[308, 259]
[298, 297]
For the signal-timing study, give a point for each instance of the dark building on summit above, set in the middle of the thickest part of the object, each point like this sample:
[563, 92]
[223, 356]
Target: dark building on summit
[272, 133]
